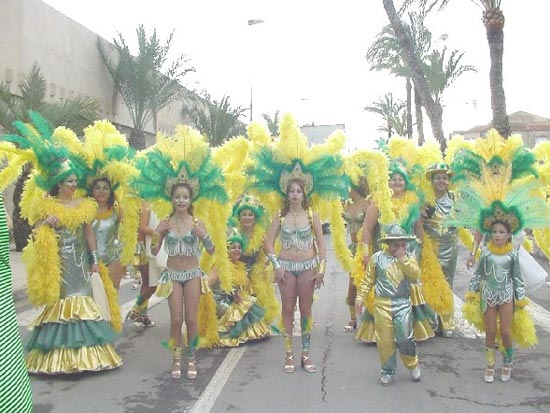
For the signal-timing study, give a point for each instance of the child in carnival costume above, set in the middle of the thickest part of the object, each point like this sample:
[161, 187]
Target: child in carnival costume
[240, 318]
[70, 335]
[499, 198]
[390, 273]
[290, 177]
[180, 181]
[108, 159]
[250, 219]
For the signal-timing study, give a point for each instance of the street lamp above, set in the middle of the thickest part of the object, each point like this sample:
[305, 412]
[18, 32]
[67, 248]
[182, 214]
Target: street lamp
[252, 22]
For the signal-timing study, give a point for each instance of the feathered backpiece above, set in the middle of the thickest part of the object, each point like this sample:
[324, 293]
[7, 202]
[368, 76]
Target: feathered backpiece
[186, 157]
[55, 154]
[498, 183]
[319, 167]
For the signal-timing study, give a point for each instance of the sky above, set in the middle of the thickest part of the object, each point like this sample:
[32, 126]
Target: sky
[307, 57]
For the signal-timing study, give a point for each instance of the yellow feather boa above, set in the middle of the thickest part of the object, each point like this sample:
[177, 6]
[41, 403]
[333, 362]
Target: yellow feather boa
[112, 298]
[207, 319]
[127, 232]
[337, 228]
[41, 255]
[542, 238]
[523, 326]
[435, 287]
[261, 277]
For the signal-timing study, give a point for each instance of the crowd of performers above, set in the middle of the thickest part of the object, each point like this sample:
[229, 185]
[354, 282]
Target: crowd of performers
[215, 229]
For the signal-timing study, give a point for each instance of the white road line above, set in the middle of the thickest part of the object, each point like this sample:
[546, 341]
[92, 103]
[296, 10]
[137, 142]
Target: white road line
[214, 388]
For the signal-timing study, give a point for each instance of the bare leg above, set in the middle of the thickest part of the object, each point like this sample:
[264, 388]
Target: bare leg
[192, 293]
[305, 294]
[289, 294]
[116, 271]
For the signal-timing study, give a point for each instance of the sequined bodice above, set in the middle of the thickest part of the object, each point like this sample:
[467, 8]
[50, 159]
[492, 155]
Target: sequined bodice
[435, 225]
[301, 238]
[354, 222]
[186, 244]
[106, 232]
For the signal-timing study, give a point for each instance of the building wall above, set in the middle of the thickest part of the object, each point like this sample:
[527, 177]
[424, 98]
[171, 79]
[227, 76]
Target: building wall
[66, 52]
[67, 55]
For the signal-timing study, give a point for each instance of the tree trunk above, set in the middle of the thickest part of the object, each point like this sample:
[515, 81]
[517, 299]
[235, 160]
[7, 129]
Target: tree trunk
[21, 227]
[495, 38]
[137, 139]
[419, 117]
[409, 109]
[433, 109]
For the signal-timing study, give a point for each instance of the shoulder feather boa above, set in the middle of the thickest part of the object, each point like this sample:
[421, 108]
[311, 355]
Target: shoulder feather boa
[261, 278]
[435, 287]
[41, 256]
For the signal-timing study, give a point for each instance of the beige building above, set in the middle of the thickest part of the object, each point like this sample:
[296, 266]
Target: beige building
[532, 128]
[67, 55]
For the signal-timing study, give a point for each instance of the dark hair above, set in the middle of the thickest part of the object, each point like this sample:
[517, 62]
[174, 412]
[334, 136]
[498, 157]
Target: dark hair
[305, 202]
[362, 187]
[504, 224]
[111, 200]
[186, 186]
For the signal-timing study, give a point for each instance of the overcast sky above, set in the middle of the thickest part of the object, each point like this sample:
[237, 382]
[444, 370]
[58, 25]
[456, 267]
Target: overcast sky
[308, 56]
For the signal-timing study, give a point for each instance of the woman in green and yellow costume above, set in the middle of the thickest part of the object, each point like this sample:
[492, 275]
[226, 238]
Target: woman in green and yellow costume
[70, 335]
[297, 180]
[368, 185]
[499, 198]
[240, 318]
[178, 178]
[108, 158]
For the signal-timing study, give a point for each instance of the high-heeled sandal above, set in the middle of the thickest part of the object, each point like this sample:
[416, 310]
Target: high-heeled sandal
[489, 375]
[506, 373]
[289, 363]
[307, 365]
[350, 326]
[191, 369]
[133, 316]
[176, 369]
[146, 321]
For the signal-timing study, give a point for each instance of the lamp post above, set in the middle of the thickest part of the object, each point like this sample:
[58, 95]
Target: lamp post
[252, 22]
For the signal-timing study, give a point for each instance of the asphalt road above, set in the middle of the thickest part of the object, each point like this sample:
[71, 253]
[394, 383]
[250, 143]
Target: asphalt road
[251, 378]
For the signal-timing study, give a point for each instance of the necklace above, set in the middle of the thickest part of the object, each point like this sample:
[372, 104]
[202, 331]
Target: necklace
[295, 218]
[64, 202]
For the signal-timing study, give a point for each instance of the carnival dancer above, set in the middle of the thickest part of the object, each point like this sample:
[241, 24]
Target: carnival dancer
[355, 209]
[109, 160]
[286, 170]
[250, 219]
[495, 202]
[178, 178]
[444, 237]
[390, 274]
[70, 335]
[240, 318]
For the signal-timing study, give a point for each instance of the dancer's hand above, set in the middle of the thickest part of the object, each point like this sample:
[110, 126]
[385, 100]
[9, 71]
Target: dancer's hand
[163, 227]
[280, 276]
[359, 308]
[52, 221]
[318, 280]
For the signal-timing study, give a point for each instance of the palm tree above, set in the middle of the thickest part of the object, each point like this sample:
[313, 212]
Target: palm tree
[217, 120]
[75, 114]
[141, 81]
[493, 20]
[395, 119]
[414, 63]
[272, 123]
[385, 54]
